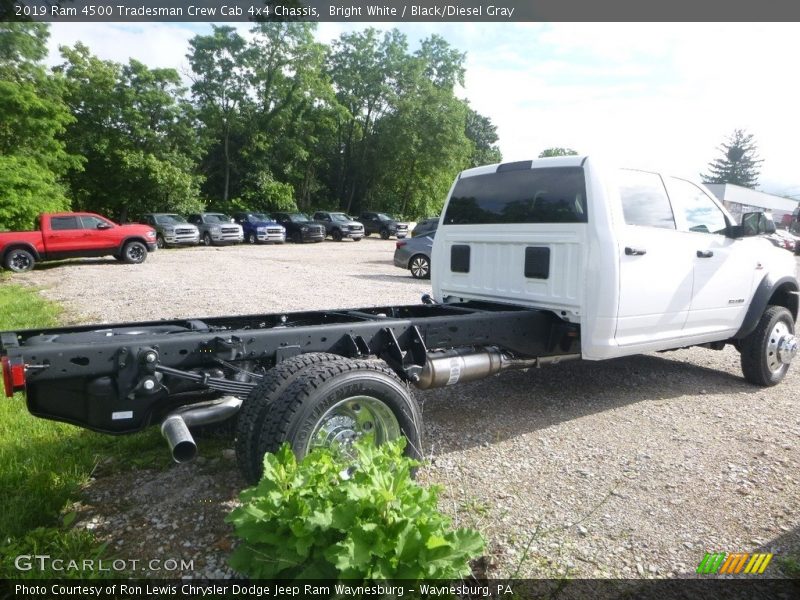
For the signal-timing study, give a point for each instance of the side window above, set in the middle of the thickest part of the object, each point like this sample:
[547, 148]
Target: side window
[194, 219]
[700, 212]
[644, 199]
[64, 223]
[91, 222]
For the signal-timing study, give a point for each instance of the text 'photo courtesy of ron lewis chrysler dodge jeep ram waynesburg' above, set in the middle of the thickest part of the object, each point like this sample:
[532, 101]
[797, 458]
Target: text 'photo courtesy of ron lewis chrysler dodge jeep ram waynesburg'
[533, 263]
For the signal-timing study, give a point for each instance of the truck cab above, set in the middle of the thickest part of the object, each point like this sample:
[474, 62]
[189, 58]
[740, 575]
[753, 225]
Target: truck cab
[641, 260]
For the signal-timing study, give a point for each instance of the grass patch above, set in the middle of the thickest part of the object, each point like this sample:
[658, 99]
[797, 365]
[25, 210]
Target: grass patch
[44, 464]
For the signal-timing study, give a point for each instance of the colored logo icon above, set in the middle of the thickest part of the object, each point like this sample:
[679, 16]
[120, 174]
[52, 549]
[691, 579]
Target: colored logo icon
[734, 563]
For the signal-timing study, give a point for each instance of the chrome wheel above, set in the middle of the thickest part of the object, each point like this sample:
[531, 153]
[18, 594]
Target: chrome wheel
[346, 421]
[781, 347]
[160, 243]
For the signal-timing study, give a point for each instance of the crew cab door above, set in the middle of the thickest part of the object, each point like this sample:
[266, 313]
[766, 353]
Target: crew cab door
[63, 236]
[655, 263]
[724, 268]
[98, 234]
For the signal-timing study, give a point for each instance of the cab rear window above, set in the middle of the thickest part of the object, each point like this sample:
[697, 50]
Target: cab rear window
[549, 195]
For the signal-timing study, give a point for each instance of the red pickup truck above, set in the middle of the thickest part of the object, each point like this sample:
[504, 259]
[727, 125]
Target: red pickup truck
[72, 235]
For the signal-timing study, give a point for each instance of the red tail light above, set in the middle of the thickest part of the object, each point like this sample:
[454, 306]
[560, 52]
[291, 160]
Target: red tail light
[400, 244]
[13, 376]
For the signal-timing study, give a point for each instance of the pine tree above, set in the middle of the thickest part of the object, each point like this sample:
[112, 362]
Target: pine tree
[739, 164]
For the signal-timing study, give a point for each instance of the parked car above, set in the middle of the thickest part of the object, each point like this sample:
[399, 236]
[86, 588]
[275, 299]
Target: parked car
[299, 228]
[340, 226]
[784, 239]
[171, 229]
[73, 235]
[217, 228]
[415, 255]
[260, 227]
[425, 227]
[385, 225]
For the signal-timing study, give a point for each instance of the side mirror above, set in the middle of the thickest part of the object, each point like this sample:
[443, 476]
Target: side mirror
[757, 223]
[103, 226]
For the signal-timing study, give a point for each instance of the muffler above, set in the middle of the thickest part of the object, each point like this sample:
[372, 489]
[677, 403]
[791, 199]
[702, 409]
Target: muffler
[468, 363]
[175, 427]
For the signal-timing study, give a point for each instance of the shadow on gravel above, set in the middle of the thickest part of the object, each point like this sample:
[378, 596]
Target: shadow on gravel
[516, 402]
[786, 548]
[80, 262]
[401, 277]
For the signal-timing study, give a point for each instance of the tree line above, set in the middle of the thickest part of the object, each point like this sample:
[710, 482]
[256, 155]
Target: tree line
[271, 121]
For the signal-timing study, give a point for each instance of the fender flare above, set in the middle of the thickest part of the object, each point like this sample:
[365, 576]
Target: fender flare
[766, 290]
[134, 238]
[23, 246]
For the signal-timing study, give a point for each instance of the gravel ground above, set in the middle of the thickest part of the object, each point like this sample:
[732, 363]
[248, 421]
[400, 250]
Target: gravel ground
[626, 468]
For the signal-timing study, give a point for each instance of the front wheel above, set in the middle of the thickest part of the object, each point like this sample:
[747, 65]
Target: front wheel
[19, 260]
[332, 404]
[297, 237]
[420, 267]
[770, 348]
[385, 234]
[336, 235]
[160, 242]
[134, 253]
[251, 238]
[207, 239]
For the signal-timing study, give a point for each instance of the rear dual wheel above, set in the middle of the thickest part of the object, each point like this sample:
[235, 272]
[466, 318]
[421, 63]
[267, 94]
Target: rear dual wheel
[325, 401]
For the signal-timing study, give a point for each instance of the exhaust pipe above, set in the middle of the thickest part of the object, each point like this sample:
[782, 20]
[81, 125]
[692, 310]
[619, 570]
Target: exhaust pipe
[468, 363]
[175, 428]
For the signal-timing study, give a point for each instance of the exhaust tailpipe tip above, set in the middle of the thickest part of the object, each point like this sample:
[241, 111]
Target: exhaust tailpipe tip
[180, 440]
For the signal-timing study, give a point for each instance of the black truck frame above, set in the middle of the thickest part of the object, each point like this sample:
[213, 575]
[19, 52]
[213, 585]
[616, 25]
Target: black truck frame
[309, 378]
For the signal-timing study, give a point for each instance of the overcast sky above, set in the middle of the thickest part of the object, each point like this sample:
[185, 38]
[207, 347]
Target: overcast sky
[659, 95]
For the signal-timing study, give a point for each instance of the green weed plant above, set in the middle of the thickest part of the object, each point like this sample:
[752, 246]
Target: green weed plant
[358, 517]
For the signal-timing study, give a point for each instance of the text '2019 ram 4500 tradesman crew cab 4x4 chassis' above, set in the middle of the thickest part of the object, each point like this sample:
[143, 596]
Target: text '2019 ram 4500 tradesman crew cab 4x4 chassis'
[534, 262]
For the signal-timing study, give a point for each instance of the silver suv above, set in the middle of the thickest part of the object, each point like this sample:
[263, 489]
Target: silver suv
[171, 229]
[217, 228]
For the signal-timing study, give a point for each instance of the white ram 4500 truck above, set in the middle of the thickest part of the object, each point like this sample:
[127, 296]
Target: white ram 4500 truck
[534, 263]
[642, 261]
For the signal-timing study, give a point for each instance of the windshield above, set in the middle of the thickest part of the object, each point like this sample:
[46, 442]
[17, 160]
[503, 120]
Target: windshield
[385, 217]
[298, 218]
[169, 219]
[217, 218]
[256, 217]
[339, 217]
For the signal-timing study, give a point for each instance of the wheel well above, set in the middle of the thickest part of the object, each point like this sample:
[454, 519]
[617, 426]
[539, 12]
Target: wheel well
[27, 247]
[786, 296]
[131, 239]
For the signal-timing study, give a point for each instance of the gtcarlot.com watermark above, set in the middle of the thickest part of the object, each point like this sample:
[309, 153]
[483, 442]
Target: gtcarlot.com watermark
[45, 562]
